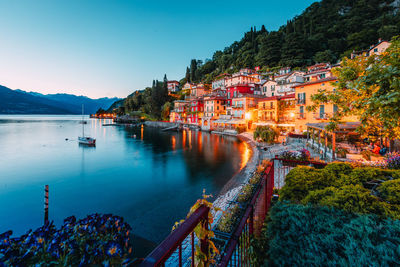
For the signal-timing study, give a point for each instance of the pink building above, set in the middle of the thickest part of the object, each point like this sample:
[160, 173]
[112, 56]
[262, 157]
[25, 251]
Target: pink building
[173, 87]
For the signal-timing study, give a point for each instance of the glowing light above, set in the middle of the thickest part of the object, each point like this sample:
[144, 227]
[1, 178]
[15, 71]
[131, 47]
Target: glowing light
[246, 154]
[292, 114]
[247, 115]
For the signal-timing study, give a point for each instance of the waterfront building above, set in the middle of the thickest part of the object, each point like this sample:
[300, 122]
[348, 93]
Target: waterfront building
[180, 111]
[277, 111]
[173, 87]
[214, 108]
[195, 111]
[317, 72]
[244, 109]
[235, 91]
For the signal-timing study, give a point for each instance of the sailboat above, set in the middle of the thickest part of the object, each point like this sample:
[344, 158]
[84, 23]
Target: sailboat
[85, 140]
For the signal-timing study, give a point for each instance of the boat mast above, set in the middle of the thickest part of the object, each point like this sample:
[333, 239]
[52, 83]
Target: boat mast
[83, 124]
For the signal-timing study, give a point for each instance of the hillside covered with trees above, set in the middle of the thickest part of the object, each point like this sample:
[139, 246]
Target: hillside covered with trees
[325, 32]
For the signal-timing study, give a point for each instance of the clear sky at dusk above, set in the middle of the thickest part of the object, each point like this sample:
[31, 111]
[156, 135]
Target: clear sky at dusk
[111, 48]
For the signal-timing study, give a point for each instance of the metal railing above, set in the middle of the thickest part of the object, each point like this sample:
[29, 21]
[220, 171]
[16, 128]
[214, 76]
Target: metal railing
[237, 252]
[174, 243]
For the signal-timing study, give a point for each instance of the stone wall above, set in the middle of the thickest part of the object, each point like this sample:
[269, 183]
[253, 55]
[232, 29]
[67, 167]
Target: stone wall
[160, 124]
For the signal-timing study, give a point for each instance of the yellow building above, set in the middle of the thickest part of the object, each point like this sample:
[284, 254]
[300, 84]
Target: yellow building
[277, 111]
[303, 99]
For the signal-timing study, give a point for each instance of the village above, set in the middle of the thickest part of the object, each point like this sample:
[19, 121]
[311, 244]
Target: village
[245, 100]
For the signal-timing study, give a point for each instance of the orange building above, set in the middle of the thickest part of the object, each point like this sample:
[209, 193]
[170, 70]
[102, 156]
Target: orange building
[324, 111]
[277, 111]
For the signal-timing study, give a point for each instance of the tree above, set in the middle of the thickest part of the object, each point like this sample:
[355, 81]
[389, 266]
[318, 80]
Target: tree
[165, 110]
[325, 56]
[368, 88]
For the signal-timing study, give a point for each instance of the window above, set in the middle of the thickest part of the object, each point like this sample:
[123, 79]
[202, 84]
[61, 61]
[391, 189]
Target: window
[301, 112]
[301, 98]
[376, 50]
[272, 87]
[271, 104]
[322, 111]
[335, 108]
[272, 94]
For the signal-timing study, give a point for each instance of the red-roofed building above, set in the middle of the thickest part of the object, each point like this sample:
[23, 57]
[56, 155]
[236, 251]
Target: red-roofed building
[173, 87]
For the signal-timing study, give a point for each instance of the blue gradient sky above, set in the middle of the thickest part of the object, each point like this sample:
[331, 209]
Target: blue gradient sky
[111, 48]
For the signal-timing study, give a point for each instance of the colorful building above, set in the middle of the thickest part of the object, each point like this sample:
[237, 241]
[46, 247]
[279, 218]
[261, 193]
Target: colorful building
[173, 87]
[179, 114]
[195, 111]
[377, 49]
[277, 111]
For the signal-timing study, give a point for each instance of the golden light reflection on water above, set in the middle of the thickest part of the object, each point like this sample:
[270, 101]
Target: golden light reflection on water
[190, 138]
[245, 151]
[184, 139]
[141, 132]
[173, 141]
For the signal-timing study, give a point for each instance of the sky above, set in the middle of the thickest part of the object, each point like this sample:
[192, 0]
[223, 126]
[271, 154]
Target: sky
[107, 48]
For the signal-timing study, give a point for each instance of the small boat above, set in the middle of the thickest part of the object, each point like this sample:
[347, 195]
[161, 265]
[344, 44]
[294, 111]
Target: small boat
[85, 140]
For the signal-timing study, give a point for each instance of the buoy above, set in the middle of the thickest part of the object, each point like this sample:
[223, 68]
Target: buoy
[134, 136]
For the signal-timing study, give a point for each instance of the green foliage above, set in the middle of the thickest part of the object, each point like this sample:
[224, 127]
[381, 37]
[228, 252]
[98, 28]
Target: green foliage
[229, 219]
[241, 129]
[390, 191]
[298, 235]
[340, 186]
[265, 134]
[300, 181]
[325, 31]
[246, 193]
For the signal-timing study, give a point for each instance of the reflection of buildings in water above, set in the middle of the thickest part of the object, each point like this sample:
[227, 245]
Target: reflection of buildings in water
[199, 141]
[173, 142]
[184, 139]
[190, 138]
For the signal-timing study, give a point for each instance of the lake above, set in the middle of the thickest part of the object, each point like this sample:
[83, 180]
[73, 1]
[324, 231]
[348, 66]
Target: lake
[149, 177]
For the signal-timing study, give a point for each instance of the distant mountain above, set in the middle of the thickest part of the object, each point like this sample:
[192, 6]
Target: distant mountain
[21, 102]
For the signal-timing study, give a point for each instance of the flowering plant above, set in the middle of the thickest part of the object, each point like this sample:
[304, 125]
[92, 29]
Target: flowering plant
[96, 239]
[393, 161]
[302, 155]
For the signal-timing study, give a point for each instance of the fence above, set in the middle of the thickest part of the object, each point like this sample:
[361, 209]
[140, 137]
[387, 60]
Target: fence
[174, 243]
[236, 250]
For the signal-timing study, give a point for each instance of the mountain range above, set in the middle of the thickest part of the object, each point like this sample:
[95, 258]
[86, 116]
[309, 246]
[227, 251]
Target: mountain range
[22, 102]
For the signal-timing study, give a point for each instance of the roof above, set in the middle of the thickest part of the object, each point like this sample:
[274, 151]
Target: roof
[277, 97]
[317, 81]
[173, 81]
[342, 126]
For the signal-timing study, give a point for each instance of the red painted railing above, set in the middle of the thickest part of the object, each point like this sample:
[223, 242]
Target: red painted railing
[237, 250]
[174, 241]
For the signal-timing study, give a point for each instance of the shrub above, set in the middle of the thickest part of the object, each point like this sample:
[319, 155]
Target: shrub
[241, 129]
[298, 235]
[265, 133]
[350, 198]
[390, 191]
[366, 174]
[300, 181]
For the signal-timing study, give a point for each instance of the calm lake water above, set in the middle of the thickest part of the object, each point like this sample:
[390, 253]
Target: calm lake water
[151, 180]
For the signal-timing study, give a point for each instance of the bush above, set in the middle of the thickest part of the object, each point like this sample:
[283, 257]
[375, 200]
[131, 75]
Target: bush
[390, 191]
[298, 235]
[265, 134]
[300, 181]
[393, 162]
[350, 198]
[241, 129]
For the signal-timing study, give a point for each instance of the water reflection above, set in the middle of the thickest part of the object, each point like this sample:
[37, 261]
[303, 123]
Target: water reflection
[151, 180]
